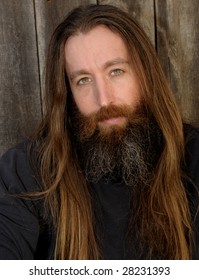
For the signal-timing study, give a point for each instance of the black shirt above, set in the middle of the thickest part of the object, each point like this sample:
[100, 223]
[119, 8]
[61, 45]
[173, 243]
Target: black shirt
[24, 233]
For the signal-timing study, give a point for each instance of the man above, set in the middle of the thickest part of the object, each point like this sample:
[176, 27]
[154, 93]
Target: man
[112, 172]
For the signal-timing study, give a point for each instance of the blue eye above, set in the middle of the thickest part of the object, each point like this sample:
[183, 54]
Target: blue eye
[117, 72]
[84, 81]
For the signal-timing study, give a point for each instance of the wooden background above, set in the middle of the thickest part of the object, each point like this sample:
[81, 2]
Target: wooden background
[25, 29]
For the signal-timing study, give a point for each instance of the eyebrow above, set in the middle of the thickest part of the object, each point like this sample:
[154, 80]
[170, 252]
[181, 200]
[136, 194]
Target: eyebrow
[115, 61]
[107, 64]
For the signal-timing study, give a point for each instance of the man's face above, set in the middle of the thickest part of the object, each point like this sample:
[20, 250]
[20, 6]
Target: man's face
[101, 75]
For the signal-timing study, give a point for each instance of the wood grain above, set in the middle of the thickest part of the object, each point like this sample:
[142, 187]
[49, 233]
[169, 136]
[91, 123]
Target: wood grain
[20, 106]
[177, 46]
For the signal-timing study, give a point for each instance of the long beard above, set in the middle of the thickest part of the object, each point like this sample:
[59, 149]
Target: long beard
[128, 152]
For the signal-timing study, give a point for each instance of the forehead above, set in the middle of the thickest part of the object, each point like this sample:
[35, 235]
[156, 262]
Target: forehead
[97, 46]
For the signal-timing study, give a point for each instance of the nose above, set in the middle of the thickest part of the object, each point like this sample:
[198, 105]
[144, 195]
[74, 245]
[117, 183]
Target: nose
[103, 92]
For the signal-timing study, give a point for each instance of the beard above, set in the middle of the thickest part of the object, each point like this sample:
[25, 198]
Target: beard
[127, 151]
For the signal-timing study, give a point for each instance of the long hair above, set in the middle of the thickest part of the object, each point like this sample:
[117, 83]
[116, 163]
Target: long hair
[164, 222]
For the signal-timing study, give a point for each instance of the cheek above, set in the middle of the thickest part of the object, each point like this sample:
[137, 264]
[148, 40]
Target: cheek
[84, 104]
[130, 94]
[78, 99]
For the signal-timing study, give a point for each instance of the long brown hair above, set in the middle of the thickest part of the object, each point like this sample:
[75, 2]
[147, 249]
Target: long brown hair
[164, 217]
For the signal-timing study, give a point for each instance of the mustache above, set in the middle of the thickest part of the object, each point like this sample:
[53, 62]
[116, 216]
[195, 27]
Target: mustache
[84, 126]
[111, 111]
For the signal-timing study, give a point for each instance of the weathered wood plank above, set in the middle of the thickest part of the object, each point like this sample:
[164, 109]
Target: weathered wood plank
[177, 46]
[19, 88]
[48, 15]
[141, 10]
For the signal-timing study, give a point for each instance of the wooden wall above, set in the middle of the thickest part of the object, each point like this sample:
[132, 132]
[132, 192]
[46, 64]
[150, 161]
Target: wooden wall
[25, 29]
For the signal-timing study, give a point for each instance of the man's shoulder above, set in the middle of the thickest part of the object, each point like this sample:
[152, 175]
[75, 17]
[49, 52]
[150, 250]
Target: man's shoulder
[18, 155]
[16, 167]
[18, 150]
